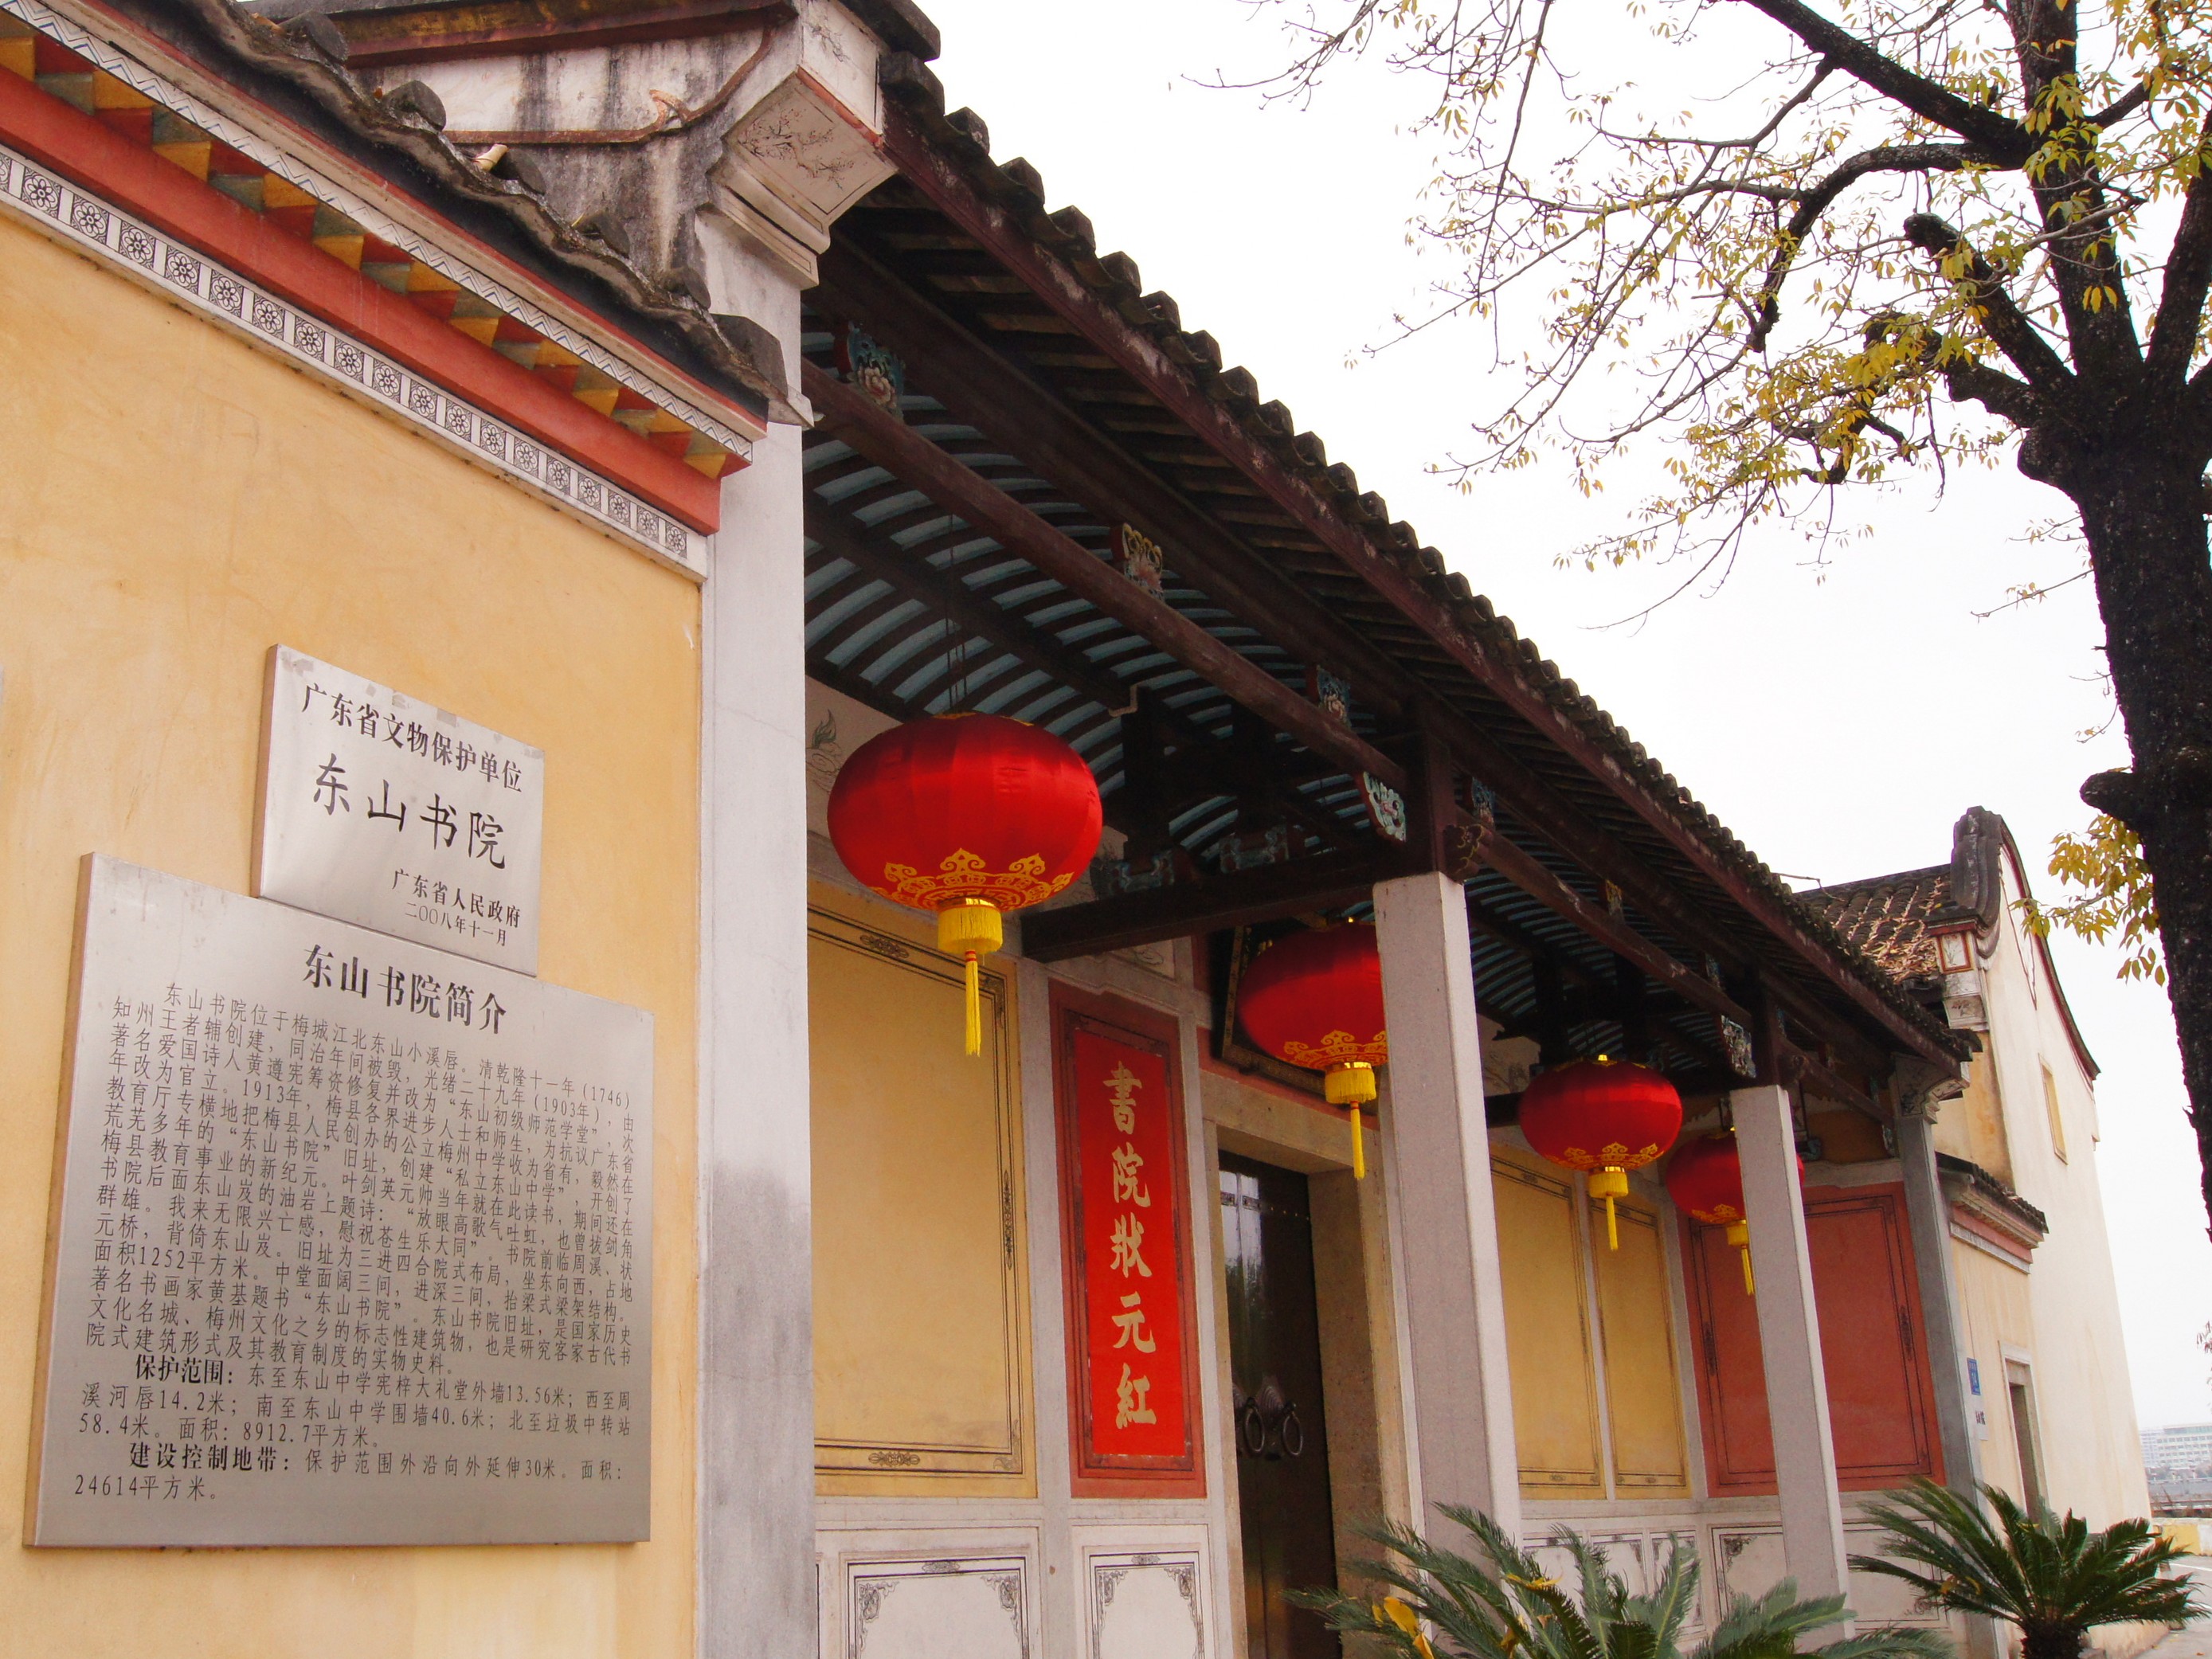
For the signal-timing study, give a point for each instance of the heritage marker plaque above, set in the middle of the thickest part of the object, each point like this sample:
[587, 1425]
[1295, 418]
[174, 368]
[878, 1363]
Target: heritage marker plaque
[352, 1241]
[384, 811]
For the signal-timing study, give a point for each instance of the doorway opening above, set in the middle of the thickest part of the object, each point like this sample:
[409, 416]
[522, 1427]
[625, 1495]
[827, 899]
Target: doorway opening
[2019, 1389]
[1279, 1422]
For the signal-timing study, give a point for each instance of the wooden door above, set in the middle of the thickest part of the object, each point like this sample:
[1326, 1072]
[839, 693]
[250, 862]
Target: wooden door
[1880, 1399]
[1278, 1423]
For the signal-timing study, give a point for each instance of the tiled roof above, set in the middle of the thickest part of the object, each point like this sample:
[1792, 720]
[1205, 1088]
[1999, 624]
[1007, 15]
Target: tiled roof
[1065, 237]
[309, 54]
[1887, 917]
[74, 79]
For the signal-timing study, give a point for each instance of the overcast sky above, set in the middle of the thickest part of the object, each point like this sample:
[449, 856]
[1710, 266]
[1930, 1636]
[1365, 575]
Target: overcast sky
[1838, 720]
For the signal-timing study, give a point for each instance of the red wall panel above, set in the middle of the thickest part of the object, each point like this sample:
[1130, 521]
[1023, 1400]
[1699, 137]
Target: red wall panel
[1880, 1399]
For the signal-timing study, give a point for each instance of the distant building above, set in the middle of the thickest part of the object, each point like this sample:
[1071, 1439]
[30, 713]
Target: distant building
[2031, 1265]
[2185, 1448]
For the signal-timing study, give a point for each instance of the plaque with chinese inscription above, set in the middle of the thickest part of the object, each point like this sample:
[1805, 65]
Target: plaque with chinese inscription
[354, 1240]
[383, 811]
[1125, 1221]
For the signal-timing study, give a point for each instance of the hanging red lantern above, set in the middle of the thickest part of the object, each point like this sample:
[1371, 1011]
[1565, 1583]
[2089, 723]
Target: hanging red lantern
[1315, 998]
[1603, 1116]
[1706, 1181]
[969, 815]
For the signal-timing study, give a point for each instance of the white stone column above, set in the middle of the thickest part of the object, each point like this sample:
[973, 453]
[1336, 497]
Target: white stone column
[1928, 1218]
[1790, 1340]
[1436, 1149]
[755, 1403]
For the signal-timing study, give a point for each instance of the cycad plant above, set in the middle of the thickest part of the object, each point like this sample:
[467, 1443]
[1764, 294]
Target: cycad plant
[1503, 1605]
[2054, 1580]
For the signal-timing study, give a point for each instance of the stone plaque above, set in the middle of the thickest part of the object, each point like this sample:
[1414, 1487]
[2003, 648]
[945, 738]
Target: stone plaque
[353, 1242]
[380, 809]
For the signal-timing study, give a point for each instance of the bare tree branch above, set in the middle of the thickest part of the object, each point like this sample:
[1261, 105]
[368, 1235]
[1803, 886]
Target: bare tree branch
[1812, 204]
[2134, 98]
[1994, 390]
[2000, 135]
[2005, 323]
[2188, 275]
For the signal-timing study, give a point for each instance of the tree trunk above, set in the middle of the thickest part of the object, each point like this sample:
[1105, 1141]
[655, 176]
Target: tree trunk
[2050, 1642]
[2142, 508]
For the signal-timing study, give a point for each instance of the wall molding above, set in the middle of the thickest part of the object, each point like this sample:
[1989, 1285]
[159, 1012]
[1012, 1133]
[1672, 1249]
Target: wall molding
[108, 56]
[78, 219]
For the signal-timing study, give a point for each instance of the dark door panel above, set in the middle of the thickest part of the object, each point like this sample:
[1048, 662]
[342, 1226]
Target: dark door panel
[1279, 1428]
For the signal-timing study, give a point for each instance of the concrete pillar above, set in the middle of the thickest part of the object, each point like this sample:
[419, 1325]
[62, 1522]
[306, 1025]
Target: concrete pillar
[755, 1593]
[1437, 1154]
[1790, 1340]
[1928, 1217]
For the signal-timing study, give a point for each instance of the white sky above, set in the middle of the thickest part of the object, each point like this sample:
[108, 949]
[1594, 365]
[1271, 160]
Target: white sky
[1839, 721]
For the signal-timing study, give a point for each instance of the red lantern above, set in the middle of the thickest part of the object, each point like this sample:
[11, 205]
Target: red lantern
[967, 815]
[1315, 998]
[1705, 1180]
[1605, 1116]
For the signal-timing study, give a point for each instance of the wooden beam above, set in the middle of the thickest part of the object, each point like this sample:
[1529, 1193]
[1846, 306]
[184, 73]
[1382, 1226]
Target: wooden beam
[1823, 1080]
[1328, 881]
[1616, 936]
[982, 387]
[994, 227]
[860, 689]
[1539, 805]
[1514, 936]
[917, 578]
[893, 445]
[952, 598]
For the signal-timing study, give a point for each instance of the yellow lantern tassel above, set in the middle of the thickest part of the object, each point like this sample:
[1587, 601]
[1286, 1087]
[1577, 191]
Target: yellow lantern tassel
[1609, 1183]
[1351, 1084]
[970, 928]
[1738, 1234]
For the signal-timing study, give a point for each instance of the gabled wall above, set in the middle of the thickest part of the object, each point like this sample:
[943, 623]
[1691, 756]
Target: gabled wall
[2060, 1317]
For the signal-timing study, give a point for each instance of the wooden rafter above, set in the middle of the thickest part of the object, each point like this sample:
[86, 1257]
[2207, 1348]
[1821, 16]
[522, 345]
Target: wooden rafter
[958, 489]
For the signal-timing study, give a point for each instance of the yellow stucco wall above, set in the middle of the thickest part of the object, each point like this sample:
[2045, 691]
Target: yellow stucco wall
[172, 503]
[921, 1326]
[1974, 1127]
[1635, 1322]
[1993, 1304]
[1547, 1329]
[1571, 1301]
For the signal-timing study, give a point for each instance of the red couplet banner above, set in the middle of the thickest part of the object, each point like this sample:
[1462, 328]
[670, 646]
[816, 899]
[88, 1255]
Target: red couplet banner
[1120, 1119]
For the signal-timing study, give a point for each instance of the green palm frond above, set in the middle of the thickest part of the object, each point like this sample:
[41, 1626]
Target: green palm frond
[1498, 1603]
[1768, 1626]
[2049, 1578]
[1672, 1601]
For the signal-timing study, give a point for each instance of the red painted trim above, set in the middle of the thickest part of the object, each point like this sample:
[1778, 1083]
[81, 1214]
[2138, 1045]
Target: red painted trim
[1260, 1084]
[1981, 1228]
[1138, 1023]
[72, 143]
